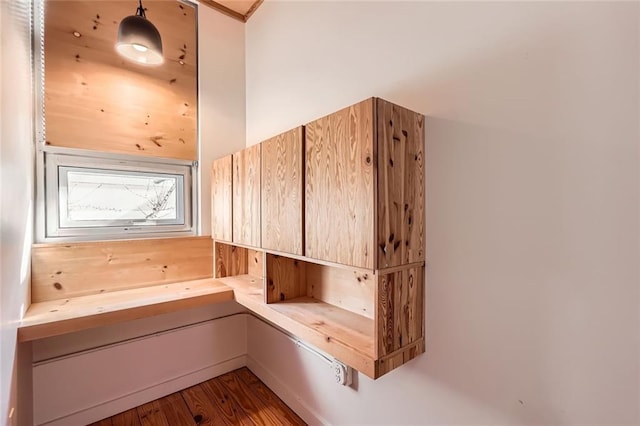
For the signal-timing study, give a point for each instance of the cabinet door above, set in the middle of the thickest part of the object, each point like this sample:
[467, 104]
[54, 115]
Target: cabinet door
[339, 188]
[282, 192]
[221, 199]
[401, 187]
[246, 196]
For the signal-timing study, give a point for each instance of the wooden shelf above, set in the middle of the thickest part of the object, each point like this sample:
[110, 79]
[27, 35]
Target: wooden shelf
[348, 328]
[55, 317]
[346, 335]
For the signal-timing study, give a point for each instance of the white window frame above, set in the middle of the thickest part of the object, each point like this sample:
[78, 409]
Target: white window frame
[56, 163]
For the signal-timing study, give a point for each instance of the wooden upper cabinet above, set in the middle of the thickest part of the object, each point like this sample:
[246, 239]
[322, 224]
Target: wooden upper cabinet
[339, 187]
[282, 173]
[221, 196]
[364, 188]
[401, 185]
[246, 197]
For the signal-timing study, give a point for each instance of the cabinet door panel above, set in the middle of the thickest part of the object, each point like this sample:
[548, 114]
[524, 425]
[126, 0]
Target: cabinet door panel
[282, 192]
[246, 196]
[400, 309]
[401, 188]
[339, 187]
[221, 198]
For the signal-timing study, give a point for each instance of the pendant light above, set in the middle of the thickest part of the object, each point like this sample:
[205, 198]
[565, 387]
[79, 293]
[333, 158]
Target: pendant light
[139, 40]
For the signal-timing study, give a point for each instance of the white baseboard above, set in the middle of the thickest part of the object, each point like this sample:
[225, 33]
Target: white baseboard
[135, 399]
[289, 397]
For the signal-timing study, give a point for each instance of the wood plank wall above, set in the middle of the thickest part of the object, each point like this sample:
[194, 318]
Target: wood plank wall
[79, 269]
[95, 99]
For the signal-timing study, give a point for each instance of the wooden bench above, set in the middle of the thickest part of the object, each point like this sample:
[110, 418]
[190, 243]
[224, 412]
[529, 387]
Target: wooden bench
[76, 286]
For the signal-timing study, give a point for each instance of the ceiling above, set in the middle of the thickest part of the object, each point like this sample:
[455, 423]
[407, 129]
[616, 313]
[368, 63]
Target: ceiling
[238, 9]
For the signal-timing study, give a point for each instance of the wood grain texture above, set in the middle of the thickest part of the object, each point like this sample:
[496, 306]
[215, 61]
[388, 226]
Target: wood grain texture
[246, 197]
[151, 414]
[230, 409]
[347, 336]
[231, 260]
[284, 414]
[95, 99]
[400, 309]
[399, 358]
[351, 290]
[255, 263]
[401, 187]
[285, 278]
[221, 199]
[204, 408]
[214, 403]
[80, 269]
[256, 409]
[104, 422]
[175, 410]
[127, 418]
[339, 187]
[282, 196]
[55, 317]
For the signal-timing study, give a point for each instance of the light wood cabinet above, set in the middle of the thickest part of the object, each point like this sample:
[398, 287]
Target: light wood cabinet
[221, 196]
[401, 184]
[353, 283]
[281, 190]
[339, 187]
[246, 197]
[364, 186]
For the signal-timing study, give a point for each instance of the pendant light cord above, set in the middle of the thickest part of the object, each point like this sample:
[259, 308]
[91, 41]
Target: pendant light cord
[140, 11]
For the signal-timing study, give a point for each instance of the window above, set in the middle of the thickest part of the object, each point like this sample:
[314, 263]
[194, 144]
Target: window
[97, 197]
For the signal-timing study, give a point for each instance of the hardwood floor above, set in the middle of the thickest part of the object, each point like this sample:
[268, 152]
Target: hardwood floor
[235, 398]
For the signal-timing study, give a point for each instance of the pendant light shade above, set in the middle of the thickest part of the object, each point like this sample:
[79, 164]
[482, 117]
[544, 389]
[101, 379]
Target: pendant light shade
[139, 40]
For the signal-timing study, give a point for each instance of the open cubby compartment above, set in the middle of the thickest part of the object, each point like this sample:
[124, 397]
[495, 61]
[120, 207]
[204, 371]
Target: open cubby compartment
[340, 301]
[348, 289]
[372, 321]
[232, 260]
[241, 268]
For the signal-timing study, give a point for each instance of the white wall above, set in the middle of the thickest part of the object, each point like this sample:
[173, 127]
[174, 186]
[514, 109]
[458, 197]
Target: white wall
[16, 190]
[532, 199]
